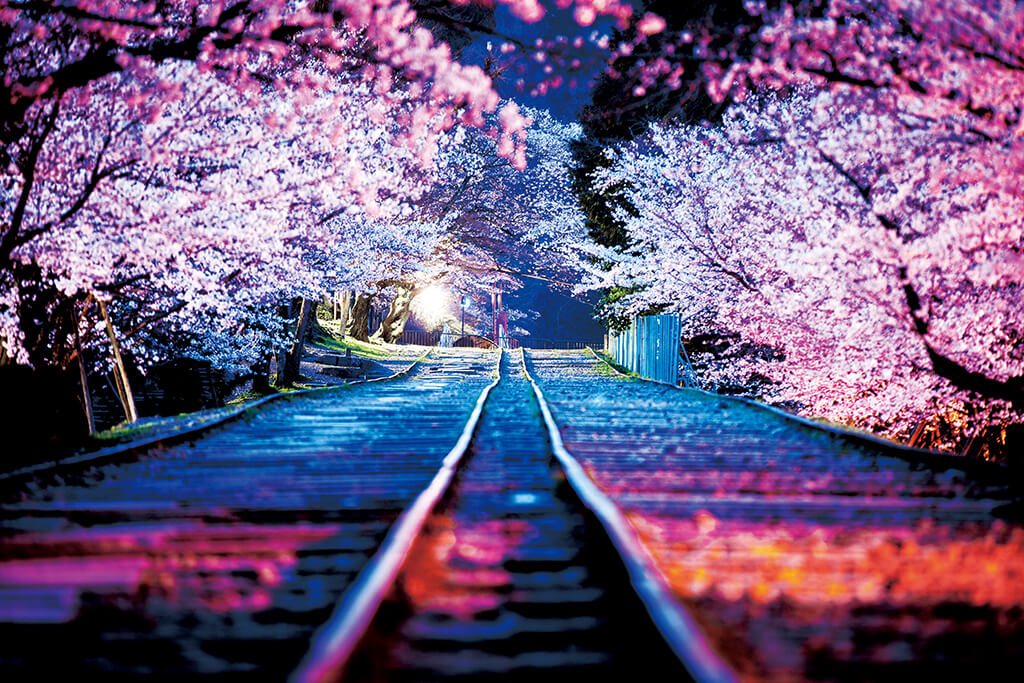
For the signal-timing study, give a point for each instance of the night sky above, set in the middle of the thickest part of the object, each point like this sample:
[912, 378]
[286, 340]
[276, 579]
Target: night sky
[560, 315]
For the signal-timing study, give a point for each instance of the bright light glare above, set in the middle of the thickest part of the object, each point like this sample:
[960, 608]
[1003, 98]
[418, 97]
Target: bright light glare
[432, 305]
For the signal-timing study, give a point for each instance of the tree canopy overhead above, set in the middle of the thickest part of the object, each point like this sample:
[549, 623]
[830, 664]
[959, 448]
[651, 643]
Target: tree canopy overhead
[194, 163]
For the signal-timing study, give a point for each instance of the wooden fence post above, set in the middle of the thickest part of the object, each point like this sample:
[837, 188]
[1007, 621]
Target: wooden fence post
[120, 373]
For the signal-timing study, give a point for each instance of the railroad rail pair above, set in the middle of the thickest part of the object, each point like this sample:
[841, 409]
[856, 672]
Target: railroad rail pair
[220, 553]
[629, 643]
[582, 522]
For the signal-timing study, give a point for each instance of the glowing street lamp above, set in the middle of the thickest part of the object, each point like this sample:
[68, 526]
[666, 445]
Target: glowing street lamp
[465, 305]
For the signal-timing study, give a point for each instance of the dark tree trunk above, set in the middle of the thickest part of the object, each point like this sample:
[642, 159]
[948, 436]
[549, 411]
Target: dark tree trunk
[392, 327]
[358, 326]
[261, 374]
[288, 371]
[315, 329]
[286, 311]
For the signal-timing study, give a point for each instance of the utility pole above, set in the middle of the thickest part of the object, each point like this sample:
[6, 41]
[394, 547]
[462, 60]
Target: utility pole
[498, 310]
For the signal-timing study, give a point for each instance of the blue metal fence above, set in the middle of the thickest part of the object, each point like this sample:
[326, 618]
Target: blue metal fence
[651, 348]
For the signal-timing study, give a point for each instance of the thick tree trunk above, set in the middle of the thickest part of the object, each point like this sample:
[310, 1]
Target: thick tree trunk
[288, 371]
[286, 311]
[344, 309]
[392, 327]
[358, 325]
[120, 373]
[315, 329]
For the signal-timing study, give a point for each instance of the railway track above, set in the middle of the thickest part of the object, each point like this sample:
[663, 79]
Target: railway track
[495, 516]
[803, 555]
[220, 557]
[511, 576]
[417, 530]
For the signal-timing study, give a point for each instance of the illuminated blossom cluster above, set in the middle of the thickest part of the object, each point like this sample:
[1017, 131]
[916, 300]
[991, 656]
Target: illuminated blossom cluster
[197, 161]
[244, 42]
[205, 213]
[492, 220]
[948, 58]
[825, 227]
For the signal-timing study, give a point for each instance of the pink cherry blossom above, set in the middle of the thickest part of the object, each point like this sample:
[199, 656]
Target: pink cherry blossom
[814, 226]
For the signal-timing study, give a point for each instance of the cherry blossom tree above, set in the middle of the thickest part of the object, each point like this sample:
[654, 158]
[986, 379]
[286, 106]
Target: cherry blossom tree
[953, 65]
[824, 226]
[152, 164]
[901, 73]
[140, 67]
[60, 56]
[495, 224]
[950, 60]
[215, 196]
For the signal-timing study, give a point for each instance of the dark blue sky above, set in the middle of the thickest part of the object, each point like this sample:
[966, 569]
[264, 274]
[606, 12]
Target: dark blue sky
[561, 315]
[564, 102]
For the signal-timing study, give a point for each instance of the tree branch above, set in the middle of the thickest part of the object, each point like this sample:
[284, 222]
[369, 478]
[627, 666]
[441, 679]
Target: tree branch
[10, 238]
[1012, 390]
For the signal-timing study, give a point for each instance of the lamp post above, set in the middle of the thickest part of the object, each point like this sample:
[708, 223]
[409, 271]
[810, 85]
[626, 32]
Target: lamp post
[465, 305]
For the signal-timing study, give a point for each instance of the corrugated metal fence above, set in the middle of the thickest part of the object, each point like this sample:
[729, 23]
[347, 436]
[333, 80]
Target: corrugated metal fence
[651, 347]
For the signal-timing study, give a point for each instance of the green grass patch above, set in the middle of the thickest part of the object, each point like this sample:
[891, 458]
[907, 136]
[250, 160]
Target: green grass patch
[246, 397]
[124, 431]
[358, 348]
[605, 370]
[148, 426]
[255, 396]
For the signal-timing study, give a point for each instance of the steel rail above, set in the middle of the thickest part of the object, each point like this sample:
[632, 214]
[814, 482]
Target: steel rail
[929, 458]
[166, 438]
[333, 644]
[672, 620]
